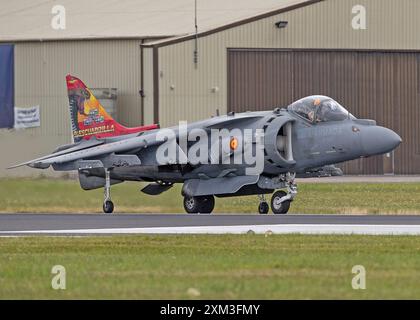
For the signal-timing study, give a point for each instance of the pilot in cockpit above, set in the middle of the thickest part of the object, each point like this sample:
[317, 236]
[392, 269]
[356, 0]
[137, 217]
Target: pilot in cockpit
[318, 109]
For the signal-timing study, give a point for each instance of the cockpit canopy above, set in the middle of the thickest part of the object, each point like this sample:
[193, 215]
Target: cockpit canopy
[320, 109]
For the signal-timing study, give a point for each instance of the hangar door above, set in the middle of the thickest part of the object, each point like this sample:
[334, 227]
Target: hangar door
[384, 86]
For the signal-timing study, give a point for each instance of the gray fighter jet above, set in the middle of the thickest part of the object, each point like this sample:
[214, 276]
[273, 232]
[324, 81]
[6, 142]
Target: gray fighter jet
[251, 153]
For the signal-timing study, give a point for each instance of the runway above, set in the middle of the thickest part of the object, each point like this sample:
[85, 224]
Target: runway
[92, 224]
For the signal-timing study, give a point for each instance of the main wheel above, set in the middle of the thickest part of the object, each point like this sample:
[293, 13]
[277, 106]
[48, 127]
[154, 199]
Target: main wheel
[202, 204]
[191, 204]
[276, 206]
[108, 207]
[206, 204]
[263, 208]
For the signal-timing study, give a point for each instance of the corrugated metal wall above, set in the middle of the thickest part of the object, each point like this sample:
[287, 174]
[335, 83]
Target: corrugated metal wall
[187, 92]
[260, 80]
[40, 70]
[148, 102]
[373, 85]
[190, 92]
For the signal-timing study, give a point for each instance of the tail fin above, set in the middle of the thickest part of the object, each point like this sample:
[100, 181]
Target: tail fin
[88, 116]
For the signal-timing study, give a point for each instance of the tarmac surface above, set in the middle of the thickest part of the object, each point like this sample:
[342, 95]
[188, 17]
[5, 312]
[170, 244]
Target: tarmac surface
[363, 179]
[91, 224]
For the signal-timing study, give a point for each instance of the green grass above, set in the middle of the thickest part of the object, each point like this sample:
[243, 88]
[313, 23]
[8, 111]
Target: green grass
[211, 267]
[54, 195]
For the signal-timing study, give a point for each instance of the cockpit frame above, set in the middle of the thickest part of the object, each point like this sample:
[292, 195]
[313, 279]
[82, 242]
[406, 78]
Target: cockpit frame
[320, 109]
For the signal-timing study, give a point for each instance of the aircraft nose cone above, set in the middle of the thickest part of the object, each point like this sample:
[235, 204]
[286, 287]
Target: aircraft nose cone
[379, 140]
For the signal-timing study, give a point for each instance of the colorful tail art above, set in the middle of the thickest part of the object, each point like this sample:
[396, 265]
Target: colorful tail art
[88, 116]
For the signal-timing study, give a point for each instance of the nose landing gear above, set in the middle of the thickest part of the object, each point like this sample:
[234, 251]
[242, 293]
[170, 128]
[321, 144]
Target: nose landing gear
[280, 200]
[278, 204]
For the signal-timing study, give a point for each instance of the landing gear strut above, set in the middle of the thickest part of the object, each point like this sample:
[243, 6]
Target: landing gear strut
[280, 201]
[108, 205]
[199, 204]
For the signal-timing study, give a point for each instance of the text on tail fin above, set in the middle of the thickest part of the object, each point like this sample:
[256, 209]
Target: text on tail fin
[88, 116]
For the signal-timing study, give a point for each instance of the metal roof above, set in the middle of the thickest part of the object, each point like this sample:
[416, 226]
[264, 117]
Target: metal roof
[22, 20]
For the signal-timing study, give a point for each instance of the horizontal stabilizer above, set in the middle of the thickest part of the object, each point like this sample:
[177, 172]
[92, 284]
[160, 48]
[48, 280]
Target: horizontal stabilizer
[39, 163]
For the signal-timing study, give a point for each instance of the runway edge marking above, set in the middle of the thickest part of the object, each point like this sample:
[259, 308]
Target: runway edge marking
[242, 229]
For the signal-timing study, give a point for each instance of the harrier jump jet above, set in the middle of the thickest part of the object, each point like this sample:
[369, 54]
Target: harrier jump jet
[251, 153]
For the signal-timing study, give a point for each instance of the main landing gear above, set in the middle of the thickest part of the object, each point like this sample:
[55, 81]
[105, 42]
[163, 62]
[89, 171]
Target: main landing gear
[199, 204]
[108, 205]
[280, 200]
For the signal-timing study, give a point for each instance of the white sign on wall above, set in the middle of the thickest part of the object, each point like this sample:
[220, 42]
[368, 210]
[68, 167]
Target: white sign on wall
[27, 117]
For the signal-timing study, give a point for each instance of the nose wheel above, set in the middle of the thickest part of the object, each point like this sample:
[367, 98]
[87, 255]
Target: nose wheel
[108, 206]
[278, 203]
[280, 200]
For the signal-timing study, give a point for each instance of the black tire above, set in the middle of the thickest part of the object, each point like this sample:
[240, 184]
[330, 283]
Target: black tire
[206, 204]
[263, 208]
[191, 204]
[202, 204]
[281, 208]
[108, 207]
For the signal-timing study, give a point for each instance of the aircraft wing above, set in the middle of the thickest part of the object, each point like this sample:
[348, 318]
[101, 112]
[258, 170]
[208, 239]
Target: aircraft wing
[233, 122]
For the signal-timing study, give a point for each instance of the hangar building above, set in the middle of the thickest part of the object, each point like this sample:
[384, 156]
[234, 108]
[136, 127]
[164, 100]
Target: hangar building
[246, 55]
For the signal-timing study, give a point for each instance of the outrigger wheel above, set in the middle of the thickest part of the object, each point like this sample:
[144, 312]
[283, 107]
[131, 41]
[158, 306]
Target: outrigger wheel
[263, 208]
[277, 206]
[199, 204]
[108, 206]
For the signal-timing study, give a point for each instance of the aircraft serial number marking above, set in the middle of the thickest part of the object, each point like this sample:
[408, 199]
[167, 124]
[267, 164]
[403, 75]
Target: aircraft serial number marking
[319, 132]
